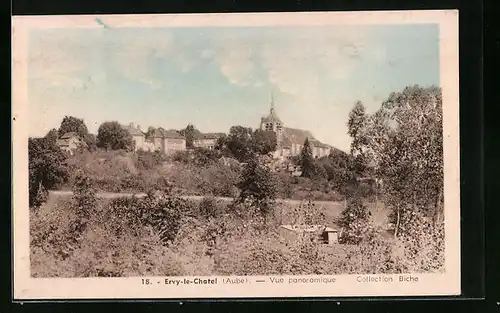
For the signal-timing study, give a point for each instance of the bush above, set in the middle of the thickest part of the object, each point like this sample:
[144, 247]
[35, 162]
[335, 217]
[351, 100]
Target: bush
[51, 231]
[218, 180]
[199, 157]
[259, 186]
[208, 207]
[47, 169]
[354, 221]
[147, 160]
[160, 211]
[421, 243]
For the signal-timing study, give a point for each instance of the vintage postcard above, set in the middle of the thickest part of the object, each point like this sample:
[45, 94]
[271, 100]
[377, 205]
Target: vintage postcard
[236, 155]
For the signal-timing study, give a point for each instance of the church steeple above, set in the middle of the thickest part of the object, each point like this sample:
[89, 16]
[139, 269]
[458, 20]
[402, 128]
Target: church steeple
[272, 104]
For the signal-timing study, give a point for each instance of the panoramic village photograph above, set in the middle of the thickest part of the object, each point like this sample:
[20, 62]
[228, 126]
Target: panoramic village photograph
[235, 151]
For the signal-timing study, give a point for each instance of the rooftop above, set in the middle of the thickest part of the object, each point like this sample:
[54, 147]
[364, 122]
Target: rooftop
[68, 135]
[209, 135]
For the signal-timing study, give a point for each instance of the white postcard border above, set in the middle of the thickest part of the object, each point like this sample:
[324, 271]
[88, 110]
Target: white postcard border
[26, 287]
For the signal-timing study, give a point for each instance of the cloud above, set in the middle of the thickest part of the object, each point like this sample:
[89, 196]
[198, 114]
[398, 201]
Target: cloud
[236, 61]
[294, 64]
[52, 63]
[133, 61]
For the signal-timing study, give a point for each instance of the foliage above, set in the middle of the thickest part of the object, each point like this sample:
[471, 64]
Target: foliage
[306, 160]
[111, 135]
[52, 136]
[239, 143]
[90, 142]
[404, 142]
[161, 211]
[258, 185]
[73, 124]
[354, 221]
[198, 156]
[263, 141]
[218, 180]
[208, 207]
[337, 169]
[148, 160]
[77, 125]
[47, 169]
[190, 132]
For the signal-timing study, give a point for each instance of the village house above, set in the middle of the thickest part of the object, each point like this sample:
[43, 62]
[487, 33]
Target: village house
[290, 141]
[165, 141]
[138, 137]
[207, 141]
[168, 141]
[69, 142]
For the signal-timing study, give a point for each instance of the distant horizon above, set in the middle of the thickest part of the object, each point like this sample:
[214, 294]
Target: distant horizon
[218, 77]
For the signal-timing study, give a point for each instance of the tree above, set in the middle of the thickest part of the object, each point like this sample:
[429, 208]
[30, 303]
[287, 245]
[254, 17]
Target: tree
[90, 141]
[52, 136]
[111, 135]
[337, 169]
[84, 203]
[77, 125]
[263, 141]
[306, 160]
[47, 169]
[190, 132]
[73, 124]
[357, 125]
[355, 221]
[239, 143]
[258, 185]
[404, 139]
[151, 131]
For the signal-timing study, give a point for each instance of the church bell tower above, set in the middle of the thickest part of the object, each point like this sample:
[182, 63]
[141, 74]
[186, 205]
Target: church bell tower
[273, 123]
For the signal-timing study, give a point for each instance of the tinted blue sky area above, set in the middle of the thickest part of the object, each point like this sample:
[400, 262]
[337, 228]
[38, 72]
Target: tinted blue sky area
[219, 77]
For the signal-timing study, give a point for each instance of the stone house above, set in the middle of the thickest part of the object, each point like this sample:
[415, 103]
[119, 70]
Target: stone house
[138, 136]
[69, 142]
[207, 141]
[168, 141]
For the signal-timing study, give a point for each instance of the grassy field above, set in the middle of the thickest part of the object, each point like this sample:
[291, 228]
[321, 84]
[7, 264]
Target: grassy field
[115, 235]
[240, 246]
[328, 210]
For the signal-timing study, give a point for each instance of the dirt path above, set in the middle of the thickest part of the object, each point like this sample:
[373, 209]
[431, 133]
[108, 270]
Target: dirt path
[112, 195]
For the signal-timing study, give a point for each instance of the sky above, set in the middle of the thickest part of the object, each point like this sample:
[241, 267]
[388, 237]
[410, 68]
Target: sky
[217, 77]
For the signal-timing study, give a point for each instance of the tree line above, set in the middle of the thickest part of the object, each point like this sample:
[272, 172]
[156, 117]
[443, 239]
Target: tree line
[401, 145]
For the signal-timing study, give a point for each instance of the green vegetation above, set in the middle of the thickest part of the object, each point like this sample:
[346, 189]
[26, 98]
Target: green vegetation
[393, 175]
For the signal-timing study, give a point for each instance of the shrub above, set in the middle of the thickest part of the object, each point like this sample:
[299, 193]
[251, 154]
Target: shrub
[160, 211]
[148, 160]
[218, 180]
[84, 203]
[51, 231]
[47, 169]
[421, 243]
[199, 157]
[354, 221]
[259, 186]
[208, 207]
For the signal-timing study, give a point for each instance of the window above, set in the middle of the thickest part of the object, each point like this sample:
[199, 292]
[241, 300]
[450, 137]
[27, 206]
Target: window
[269, 126]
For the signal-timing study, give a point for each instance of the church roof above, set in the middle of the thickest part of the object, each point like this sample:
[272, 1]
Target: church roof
[298, 136]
